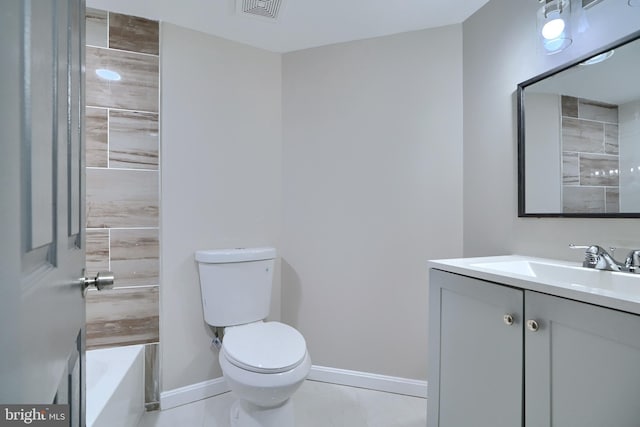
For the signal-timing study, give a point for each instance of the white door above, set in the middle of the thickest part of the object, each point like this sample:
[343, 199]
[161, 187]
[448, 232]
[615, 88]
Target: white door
[42, 312]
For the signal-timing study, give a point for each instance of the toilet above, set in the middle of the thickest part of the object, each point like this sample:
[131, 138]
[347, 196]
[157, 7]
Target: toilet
[263, 363]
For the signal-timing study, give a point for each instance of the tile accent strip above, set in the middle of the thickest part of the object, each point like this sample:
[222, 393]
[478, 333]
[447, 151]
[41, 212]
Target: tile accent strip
[122, 197]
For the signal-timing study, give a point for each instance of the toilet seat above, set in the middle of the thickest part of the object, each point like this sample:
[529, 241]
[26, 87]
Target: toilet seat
[264, 347]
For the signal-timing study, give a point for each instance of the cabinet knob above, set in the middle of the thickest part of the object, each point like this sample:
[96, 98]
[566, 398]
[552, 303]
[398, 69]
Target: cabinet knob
[532, 325]
[508, 319]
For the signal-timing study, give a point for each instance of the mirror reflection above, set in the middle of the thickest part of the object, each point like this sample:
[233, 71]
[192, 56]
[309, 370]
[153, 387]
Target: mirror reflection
[579, 138]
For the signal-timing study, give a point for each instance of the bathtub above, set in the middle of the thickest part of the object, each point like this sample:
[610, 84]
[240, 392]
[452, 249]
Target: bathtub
[115, 386]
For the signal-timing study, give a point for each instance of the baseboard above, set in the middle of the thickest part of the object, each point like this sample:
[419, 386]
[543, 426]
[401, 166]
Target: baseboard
[191, 393]
[368, 380]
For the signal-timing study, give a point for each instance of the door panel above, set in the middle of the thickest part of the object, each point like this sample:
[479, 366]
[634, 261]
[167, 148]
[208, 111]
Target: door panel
[41, 254]
[40, 108]
[581, 365]
[475, 366]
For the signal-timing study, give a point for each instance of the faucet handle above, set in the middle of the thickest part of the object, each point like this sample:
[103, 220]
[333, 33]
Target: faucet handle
[591, 254]
[632, 263]
[572, 246]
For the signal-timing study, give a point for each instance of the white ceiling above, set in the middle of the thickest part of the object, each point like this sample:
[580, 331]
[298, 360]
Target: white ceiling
[302, 23]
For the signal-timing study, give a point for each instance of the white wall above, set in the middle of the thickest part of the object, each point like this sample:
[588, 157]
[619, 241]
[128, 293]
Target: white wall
[629, 145]
[500, 52]
[221, 179]
[543, 154]
[372, 190]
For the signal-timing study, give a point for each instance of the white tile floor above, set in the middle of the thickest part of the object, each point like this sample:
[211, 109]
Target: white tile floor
[316, 404]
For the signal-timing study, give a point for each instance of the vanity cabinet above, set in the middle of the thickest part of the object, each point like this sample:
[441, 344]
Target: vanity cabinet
[574, 364]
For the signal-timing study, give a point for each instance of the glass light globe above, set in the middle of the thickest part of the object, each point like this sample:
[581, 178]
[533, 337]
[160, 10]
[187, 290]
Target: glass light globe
[553, 29]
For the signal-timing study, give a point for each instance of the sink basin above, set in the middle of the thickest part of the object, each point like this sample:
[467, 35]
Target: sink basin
[579, 278]
[616, 290]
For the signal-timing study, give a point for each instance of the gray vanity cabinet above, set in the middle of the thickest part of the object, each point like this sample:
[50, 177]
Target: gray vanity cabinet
[575, 365]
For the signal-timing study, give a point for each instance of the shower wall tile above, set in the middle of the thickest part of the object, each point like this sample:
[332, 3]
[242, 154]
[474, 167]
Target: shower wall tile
[135, 256]
[598, 170]
[133, 140]
[597, 111]
[96, 137]
[590, 156]
[582, 135]
[577, 199]
[569, 106]
[97, 252]
[96, 28]
[122, 317]
[121, 198]
[133, 34]
[136, 90]
[611, 139]
[570, 168]
[613, 200]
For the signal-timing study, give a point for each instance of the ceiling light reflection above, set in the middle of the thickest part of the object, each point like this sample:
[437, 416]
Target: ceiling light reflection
[109, 75]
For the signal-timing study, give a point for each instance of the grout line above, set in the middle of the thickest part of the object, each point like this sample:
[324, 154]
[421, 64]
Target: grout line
[113, 49]
[123, 109]
[108, 27]
[121, 169]
[109, 243]
[108, 137]
[120, 228]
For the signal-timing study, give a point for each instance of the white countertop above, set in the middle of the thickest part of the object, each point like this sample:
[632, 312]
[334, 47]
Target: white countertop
[620, 291]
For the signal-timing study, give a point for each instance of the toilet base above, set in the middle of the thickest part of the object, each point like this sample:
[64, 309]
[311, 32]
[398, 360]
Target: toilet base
[246, 414]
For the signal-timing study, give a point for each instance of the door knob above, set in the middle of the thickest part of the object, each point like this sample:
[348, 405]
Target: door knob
[103, 280]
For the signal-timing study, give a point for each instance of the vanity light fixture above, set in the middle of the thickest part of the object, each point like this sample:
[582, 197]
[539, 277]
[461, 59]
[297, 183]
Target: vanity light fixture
[554, 25]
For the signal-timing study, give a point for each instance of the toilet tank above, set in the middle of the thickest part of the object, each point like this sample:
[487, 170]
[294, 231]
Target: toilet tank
[236, 284]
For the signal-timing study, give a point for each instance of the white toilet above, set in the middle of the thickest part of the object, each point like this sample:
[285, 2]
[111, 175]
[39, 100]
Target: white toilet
[263, 363]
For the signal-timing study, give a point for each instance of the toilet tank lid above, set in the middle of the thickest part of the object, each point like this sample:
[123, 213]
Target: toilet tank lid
[216, 256]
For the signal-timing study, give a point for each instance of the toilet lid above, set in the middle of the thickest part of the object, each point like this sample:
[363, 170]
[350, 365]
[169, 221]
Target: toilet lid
[266, 347]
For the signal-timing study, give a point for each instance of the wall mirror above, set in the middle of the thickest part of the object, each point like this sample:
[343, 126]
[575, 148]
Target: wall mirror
[579, 137]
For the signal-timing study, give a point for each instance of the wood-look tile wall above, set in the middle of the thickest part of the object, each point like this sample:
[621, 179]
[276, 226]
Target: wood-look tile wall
[590, 160]
[122, 150]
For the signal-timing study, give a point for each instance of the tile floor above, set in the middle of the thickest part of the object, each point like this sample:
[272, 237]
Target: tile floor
[316, 404]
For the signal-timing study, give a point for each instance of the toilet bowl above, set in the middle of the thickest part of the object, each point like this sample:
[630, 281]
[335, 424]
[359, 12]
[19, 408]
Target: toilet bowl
[263, 363]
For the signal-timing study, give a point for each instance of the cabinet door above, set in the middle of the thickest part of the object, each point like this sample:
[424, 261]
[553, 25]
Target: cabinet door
[475, 366]
[582, 366]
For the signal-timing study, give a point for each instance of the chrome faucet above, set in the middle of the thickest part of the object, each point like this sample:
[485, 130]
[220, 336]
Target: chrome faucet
[598, 258]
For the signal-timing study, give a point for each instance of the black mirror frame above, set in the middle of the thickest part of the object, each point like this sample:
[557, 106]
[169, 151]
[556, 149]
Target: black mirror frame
[521, 139]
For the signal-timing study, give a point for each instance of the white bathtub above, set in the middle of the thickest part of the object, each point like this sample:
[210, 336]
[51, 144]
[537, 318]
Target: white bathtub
[115, 386]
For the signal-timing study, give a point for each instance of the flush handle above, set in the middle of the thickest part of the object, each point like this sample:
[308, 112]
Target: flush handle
[102, 280]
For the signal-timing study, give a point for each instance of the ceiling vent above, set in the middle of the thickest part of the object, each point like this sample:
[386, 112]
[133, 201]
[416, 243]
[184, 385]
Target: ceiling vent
[261, 8]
